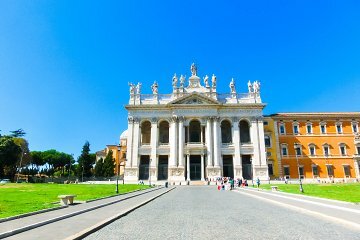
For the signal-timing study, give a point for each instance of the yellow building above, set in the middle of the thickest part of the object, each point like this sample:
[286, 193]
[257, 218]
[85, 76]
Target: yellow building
[318, 145]
[272, 151]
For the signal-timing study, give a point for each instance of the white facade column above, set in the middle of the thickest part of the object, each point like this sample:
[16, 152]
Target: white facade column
[217, 148]
[136, 141]
[209, 143]
[201, 134]
[173, 142]
[187, 167]
[202, 168]
[153, 143]
[181, 141]
[259, 158]
[236, 142]
[129, 141]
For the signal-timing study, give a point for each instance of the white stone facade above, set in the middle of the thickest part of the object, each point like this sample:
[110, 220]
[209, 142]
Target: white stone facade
[195, 133]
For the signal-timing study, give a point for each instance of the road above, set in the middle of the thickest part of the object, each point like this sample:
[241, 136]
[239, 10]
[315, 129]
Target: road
[198, 212]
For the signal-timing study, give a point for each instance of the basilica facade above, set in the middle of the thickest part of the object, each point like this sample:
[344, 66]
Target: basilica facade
[195, 133]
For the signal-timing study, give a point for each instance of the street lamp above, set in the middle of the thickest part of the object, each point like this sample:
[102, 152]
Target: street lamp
[296, 147]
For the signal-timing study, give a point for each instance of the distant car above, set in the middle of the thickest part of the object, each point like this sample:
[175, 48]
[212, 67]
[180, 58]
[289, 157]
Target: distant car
[5, 181]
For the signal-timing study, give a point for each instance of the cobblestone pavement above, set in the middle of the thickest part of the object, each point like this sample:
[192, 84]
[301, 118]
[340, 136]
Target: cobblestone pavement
[199, 212]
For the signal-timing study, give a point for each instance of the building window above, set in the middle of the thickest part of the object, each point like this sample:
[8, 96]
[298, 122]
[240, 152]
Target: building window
[266, 123]
[284, 150]
[315, 170]
[282, 129]
[309, 128]
[268, 154]
[296, 128]
[270, 169]
[312, 149]
[326, 150]
[323, 128]
[342, 147]
[330, 170]
[355, 127]
[301, 171]
[267, 141]
[298, 150]
[358, 150]
[244, 132]
[347, 171]
[287, 171]
[226, 132]
[339, 128]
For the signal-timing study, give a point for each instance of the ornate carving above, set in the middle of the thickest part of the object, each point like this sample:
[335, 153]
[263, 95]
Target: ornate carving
[130, 119]
[235, 119]
[181, 119]
[136, 120]
[130, 172]
[173, 119]
[154, 120]
[177, 172]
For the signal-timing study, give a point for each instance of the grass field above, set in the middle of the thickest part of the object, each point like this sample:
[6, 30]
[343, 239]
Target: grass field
[22, 198]
[344, 192]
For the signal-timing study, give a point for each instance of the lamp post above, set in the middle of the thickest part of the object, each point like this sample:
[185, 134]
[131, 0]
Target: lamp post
[296, 146]
[118, 168]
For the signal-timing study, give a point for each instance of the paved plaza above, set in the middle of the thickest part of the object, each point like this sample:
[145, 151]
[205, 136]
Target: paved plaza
[199, 212]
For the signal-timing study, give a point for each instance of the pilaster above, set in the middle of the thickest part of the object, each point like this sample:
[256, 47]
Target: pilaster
[173, 142]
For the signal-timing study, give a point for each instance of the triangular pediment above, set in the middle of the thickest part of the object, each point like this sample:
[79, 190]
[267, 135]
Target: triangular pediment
[194, 99]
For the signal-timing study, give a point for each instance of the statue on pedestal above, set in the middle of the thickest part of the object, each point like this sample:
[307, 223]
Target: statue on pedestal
[138, 88]
[232, 86]
[206, 81]
[132, 88]
[182, 81]
[154, 88]
[250, 87]
[213, 81]
[256, 87]
[193, 69]
[174, 81]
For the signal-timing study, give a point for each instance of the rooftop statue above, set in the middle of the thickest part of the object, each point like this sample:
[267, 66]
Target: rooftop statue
[132, 88]
[256, 87]
[138, 88]
[206, 81]
[154, 88]
[193, 69]
[213, 81]
[182, 81]
[174, 80]
[232, 86]
[250, 87]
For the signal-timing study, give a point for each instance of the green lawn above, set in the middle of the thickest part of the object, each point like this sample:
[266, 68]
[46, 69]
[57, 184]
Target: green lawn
[22, 198]
[349, 192]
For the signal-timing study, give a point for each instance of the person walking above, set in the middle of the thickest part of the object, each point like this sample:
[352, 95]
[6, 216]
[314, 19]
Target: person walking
[258, 183]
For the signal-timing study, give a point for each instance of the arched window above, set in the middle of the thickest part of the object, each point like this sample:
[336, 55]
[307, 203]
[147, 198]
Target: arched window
[164, 132]
[145, 132]
[226, 132]
[244, 132]
[195, 131]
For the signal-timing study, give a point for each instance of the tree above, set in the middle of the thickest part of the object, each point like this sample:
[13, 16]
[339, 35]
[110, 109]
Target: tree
[109, 165]
[86, 161]
[99, 168]
[10, 154]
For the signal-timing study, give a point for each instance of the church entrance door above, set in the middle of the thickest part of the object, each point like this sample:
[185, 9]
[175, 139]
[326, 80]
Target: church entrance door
[247, 166]
[195, 167]
[144, 167]
[228, 167]
[163, 168]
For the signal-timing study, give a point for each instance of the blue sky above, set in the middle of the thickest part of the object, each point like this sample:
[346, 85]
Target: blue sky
[65, 65]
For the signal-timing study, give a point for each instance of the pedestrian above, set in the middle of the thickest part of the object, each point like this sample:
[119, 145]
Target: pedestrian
[240, 182]
[258, 183]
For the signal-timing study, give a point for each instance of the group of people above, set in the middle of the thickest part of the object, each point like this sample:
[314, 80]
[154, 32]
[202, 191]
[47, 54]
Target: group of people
[228, 183]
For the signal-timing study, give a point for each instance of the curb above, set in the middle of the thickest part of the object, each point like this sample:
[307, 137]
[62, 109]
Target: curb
[39, 224]
[102, 224]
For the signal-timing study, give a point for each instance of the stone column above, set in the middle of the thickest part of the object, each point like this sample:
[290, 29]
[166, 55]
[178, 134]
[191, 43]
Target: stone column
[131, 169]
[181, 141]
[202, 168]
[173, 142]
[188, 167]
[217, 147]
[201, 134]
[136, 141]
[209, 143]
[153, 143]
[129, 143]
[258, 142]
[236, 142]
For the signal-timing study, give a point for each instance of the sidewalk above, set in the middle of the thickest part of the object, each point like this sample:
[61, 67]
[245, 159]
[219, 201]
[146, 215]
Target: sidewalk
[76, 218]
[345, 213]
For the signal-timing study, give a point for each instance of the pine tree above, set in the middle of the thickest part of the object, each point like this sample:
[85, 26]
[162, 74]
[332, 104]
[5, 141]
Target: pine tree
[99, 168]
[86, 161]
[109, 165]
